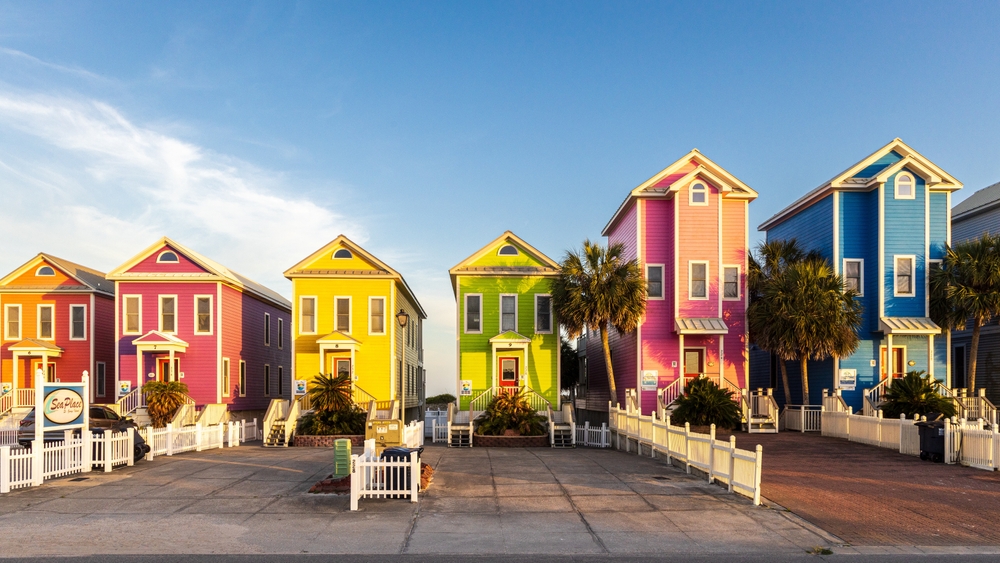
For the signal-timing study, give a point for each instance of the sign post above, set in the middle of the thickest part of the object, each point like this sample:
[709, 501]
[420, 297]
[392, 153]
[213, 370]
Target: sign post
[60, 407]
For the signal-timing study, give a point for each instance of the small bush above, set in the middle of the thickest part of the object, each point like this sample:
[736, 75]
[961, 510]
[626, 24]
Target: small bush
[163, 398]
[912, 394]
[510, 414]
[349, 421]
[705, 403]
[331, 393]
[442, 399]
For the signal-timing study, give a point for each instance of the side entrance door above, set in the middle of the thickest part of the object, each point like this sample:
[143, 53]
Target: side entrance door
[508, 372]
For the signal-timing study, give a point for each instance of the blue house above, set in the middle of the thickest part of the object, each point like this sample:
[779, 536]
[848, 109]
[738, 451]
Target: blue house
[881, 223]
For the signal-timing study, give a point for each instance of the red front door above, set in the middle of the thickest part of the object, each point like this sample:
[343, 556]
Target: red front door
[508, 372]
[163, 372]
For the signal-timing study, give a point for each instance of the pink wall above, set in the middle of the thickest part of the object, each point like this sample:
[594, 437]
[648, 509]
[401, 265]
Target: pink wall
[698, 229]
[150, 265]
[659, 342]
[734, 251]
[104, 345]
[243, 339]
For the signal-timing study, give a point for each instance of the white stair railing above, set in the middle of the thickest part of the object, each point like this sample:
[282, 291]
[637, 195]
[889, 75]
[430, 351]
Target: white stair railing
[361, 397]
[483, 399]
[130, 402]
[873, 398]
[6, 403]
[667, 395]
[537, 402]
[834, 402]
[979, 407]
[25, 398]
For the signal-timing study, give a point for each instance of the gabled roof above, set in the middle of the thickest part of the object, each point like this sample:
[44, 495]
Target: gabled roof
[33, 344]
[866, 175]
[548, 267]
[670, 180]
[979, 202]
[157, 337]
[214, 271]
[88, 278]
[338, 337]
[379, 268]
[510, 336]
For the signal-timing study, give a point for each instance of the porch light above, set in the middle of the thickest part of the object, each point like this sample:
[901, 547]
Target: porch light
[402, 317]
[911, 363]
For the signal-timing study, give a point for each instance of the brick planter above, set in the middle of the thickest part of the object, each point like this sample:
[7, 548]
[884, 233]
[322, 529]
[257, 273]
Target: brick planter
[357, 440]
[480, 441]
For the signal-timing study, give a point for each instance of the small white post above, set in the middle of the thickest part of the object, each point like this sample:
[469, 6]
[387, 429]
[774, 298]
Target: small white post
[88, 449]
[586, 433]
[197, 437]
[902, 421]
[687, 447]
[37, 459]
[355, 483]
[108, 439]
[414, 476]
[4, 469]
[756, 475]
[711, 453]
[732, 461]
[170, 439]
[605, 436]
[131, 445]
[947, 441]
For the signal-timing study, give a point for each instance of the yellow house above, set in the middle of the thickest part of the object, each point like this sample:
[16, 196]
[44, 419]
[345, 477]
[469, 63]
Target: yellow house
[354, 314]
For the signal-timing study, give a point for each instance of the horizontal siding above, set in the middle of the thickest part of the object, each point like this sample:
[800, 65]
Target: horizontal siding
[859, 240]
[812, 227]
[659, 341]
[939, 224]
[625, 233]
[150, 265]
[243, 339]
[974, 227]
[104, 344]
[904, 228]
[698, 231]
[886, 160]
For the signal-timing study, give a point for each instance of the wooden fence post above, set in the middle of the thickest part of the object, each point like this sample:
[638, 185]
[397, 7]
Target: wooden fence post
[947, 441]
[108, 440]
[414, 476]
[732, 461]
[197, 437]
[355, 483]
[5, 469]
[687, 447]
[711, 454]
[37, 460]
[88, 451]
[170, 440]
[131, 446]
[756, 475]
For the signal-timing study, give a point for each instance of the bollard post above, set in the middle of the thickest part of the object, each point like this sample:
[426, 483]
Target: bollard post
[170, 439]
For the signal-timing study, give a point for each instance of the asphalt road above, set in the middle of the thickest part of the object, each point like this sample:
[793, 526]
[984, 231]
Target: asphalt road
[305, 558]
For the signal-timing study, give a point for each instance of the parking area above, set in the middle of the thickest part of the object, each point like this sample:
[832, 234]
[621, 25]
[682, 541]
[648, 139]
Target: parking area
[873, 496]
[483, 501]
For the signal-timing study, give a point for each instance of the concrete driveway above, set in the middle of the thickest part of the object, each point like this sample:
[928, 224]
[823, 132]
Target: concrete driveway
[483, 501]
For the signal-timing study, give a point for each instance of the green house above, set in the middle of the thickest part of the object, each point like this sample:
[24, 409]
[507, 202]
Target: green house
[508, 336]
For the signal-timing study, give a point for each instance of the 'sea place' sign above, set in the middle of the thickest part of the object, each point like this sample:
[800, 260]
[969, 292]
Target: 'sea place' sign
[63, 406]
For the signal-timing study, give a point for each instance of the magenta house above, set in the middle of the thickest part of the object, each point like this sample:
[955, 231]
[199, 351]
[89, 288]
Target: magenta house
[687, 227]
[182, 317]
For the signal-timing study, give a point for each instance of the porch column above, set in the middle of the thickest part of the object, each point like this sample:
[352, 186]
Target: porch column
[171, 376]
[888, 359]
[45, 365]
[680, 338]
[930, 355]
[17, 371]
[722, 359]
[138, 368]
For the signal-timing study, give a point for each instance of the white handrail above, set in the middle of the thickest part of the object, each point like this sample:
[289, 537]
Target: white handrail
[25, 398]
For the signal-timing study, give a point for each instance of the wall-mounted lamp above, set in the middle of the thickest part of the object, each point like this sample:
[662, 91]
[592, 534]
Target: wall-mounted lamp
[151, 375]
[402, 317]
[911, 363]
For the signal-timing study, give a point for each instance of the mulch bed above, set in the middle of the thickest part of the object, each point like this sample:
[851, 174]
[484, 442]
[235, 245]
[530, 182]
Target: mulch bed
[304, 441]
[334, 485]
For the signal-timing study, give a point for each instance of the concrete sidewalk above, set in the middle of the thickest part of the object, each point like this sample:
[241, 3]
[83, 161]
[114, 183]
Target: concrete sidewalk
[483, 501]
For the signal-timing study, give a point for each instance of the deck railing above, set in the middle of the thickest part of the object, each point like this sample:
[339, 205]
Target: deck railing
[593, 436]
[25, 398]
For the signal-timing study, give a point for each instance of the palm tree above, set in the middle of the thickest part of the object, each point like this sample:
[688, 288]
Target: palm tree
[163, 398]
[914, 394]
[967, 287]
[598, 288]
[329, 393]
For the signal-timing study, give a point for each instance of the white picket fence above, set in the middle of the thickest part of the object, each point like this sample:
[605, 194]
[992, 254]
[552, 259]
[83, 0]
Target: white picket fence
[116, 447]
[898, 434]
[439, 431]
[25, 467]
[169, 440]
[8, 436]
[721, 460]
[413, 434]
[593, 436]
[436, 417]
[372, 477]
[802, 418]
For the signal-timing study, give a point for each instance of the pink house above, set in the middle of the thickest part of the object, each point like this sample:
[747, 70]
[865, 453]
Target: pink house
[687, 226]
[180, 316]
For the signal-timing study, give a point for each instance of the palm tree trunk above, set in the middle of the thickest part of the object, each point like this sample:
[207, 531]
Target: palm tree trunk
[784, 381]
[804, 362]
[977, 325]
[607, 362]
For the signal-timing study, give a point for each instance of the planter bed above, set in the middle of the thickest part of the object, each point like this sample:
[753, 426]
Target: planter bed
[511, 441]
[302, 441]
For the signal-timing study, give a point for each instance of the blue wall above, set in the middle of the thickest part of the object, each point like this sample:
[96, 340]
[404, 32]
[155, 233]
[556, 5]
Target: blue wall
[874, 168]
[904, 234]
[859, 239]
[812, 228]
[939, 223]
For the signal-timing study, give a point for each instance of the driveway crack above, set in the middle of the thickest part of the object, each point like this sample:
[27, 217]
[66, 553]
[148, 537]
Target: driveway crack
[597, 539]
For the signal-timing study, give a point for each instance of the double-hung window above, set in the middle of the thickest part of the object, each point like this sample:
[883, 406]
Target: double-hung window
[132, 314]
[168, 314]
[342, 314]
[77, 322]
[854, 275]
[243, 379]
[543, 314]
[46, 322]
[203, 314]
[903, 272]
[307, 315]
[12, 322]
[376, 315]
[473, 313]
[225, 377]
[654, 281]
[508, 313]
[698, 280]
[731, 282]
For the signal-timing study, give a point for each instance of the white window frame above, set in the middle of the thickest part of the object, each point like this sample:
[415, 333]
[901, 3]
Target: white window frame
[315, 323]
[267, 380]
[349, 256]
[663, 282]
[517, 252]
[242, 383]
[160, 260]
[125, 299]
[84, 337]
[336, 313]
[861, 274]
[739, 282]
[370, 300]
[913, 186]
[38, 272]
[267, 329]
[551, 314]
[691, 192]
[500, 304]
[98, 379]
[159, 316]
[226, 379]
[281, 333]
[465, 312]
[38, 321]
[20, 321]
[913, 274]
[211, 315]
[708, 276]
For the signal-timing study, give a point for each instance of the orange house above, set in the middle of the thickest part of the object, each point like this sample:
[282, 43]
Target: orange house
[58, 317]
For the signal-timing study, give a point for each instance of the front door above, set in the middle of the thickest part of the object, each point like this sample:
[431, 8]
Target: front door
[898, 362]
[508, 372]
[694, 362]
[163, 372]
[342, 367]
[50, 376]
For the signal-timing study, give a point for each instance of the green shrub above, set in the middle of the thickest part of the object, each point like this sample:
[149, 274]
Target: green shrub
[913, 394]
[705, 403]
[163, 398]
[511, 412]
[442, 399]
[332, 393]
[349, 421]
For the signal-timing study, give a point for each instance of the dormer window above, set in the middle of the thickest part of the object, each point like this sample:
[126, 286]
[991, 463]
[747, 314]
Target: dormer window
[45, 271]
[343, 253]
[698, 194]
[508, 250]
[904, 187]
[167, 256]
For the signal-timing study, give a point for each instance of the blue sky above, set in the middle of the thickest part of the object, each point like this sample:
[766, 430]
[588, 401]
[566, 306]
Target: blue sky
[257, 132]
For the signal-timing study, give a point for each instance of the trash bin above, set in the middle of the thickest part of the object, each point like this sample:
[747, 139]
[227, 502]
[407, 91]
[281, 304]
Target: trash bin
[931, 440]
[399, 477]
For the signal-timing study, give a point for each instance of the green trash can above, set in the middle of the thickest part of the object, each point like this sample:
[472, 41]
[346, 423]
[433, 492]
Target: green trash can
[341, 457]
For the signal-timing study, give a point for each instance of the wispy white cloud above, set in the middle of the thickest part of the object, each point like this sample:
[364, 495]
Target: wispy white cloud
[25, 57]
[80, 179]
